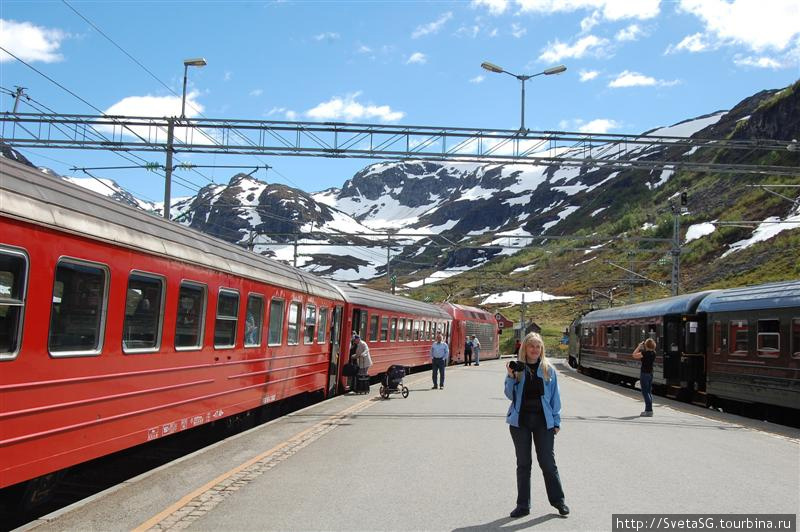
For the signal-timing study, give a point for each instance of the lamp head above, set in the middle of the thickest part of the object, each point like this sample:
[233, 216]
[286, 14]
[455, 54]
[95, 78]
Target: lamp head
[197, 61]
[491, 67]
[554, 70]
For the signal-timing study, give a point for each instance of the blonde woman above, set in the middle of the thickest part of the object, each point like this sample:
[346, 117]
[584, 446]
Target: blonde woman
[534, 417]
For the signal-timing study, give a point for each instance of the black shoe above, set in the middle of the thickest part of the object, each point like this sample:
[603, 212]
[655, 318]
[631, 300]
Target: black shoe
[520, 511]
[435, 388]
[441, 387]
[563, 509]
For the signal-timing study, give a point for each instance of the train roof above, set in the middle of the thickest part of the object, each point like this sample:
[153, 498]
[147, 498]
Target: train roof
[359, 295]
[463, 311]
[765, 296]
[30, 195]
[682, 304]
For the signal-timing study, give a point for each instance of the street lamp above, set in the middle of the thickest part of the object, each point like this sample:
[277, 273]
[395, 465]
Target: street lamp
[523, 78]
[197, 62]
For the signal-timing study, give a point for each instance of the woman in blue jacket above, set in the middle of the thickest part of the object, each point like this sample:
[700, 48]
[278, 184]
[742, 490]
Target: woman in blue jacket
[534, 417]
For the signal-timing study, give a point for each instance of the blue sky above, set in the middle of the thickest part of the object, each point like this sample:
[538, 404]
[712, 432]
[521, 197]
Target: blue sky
[632, 65]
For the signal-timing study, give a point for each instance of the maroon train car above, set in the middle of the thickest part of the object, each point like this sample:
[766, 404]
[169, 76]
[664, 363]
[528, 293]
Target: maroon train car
[468, 321]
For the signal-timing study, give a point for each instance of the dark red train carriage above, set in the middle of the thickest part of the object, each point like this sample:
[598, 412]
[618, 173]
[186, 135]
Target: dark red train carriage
[468, 321]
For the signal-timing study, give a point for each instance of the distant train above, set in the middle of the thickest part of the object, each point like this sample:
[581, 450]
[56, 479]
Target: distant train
[738, 348]
[118, 327]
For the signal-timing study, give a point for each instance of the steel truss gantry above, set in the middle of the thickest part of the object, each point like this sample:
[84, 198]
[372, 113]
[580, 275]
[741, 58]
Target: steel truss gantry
[382, 141]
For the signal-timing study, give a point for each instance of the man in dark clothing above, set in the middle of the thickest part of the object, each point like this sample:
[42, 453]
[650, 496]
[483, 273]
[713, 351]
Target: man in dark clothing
[468, 352]
[646, 352]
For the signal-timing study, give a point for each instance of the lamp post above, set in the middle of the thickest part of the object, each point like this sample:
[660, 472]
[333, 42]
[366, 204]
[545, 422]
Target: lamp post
[196, 62]
[523, 78]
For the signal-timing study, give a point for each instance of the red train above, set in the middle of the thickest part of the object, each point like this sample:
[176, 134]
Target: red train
[118, 327]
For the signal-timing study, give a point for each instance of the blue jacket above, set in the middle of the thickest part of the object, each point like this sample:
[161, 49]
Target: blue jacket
[551, 400]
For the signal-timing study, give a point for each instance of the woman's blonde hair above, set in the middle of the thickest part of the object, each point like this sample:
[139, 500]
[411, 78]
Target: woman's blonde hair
[543, 362]
[650, 344]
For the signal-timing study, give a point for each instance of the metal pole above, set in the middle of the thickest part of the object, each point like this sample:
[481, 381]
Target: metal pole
[294, 263]
[676, 251]
[522, 115]
[20, 92]
[389, 260]
[522, 315]
[168, 167]
[183, 100]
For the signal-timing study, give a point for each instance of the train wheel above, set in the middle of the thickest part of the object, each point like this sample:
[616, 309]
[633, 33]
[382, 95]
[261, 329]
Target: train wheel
[384, 392]
[405, 392]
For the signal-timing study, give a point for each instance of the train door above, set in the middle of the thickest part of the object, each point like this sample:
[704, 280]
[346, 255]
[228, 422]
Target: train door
[672, 349]
[335, 350]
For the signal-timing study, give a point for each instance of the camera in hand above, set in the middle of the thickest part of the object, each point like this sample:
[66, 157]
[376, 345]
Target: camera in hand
[516, 365]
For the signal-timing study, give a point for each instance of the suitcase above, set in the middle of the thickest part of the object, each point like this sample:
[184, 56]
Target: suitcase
[362, 384]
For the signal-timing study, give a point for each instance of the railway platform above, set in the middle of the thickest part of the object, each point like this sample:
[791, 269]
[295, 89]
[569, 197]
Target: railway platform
[443, 460]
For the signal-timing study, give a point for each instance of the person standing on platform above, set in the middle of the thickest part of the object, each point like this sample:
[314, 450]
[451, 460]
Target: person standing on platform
[476, 350]
[440, 353]
[468, 352]
[534, 417]
[517, 343]
[646, 352]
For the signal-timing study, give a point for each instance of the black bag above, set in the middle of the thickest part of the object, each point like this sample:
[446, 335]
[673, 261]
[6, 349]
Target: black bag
[350, 369]
[362, 384]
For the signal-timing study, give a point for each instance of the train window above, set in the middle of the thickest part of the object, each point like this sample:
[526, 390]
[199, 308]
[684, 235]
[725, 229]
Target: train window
[373, 329]
[253, 320]
[323, 325]
[311, 324]
[191, 316]
[275, 335]
[393, 330]
[227, 318]
[384, 329]
[739, 344]
[409, 329]
[293, 330]
[769, 338]
[717, 345]
[796, 338]
[430, 330]
[13, 281]
[609, 336]
[77, 315]
[417, 327]
[401, 330]
[144, 306]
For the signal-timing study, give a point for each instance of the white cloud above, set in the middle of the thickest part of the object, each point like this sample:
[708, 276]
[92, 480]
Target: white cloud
[691, 43]
[469, 31]
[589, 45]
[227, 76]
[417, 58]
[495, 7]
[493, 33]
[329, 36]
[477, 79]
[590, 22]
[610, 9]
[518, 31]
[156, 106]
[758, 25]
[291, 115]
[287, 113]
[588, 75]
[431, 27]
[599, 125]
[256, 92]
[635, 79]
[349, 109]
[631, 33]
[363, 49]
[758, 62]
[30, 43]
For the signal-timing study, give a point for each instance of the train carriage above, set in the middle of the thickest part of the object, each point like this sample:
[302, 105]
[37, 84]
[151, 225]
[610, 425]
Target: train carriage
[468, 321]
[118, 327]
[609, 336]
[398, 330]
[754, 344]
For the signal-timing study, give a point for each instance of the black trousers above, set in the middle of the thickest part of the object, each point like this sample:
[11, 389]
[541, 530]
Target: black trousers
[533, 430]
[468, 358]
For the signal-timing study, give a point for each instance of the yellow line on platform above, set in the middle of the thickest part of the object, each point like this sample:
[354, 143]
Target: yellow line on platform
[153, 521]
